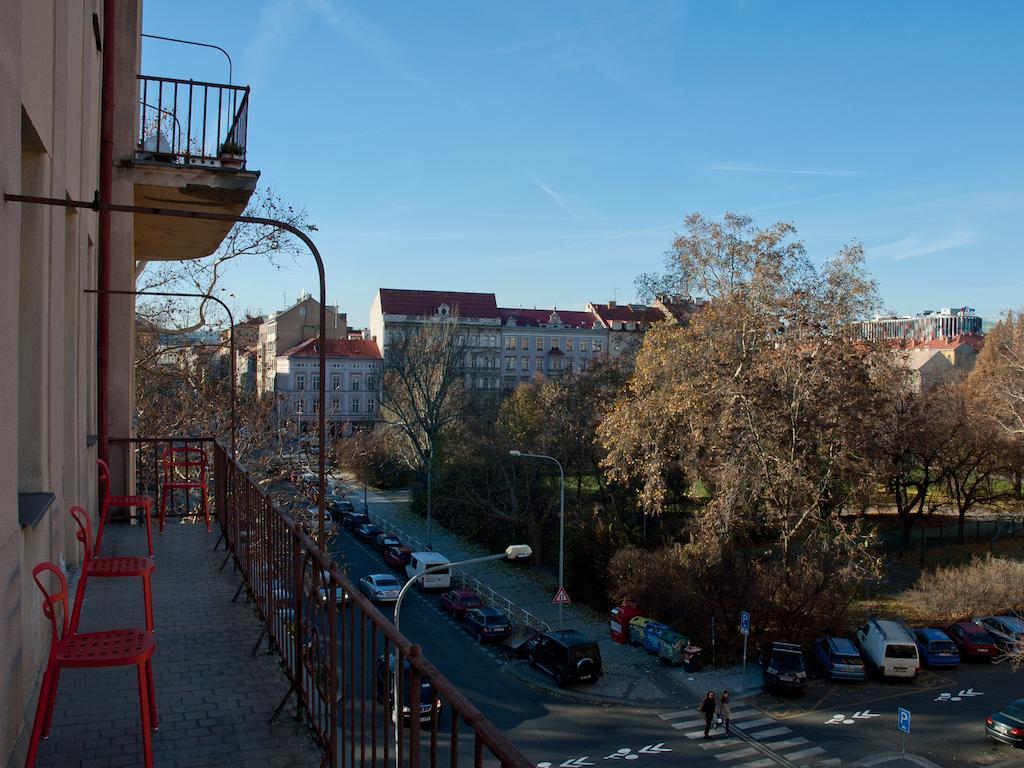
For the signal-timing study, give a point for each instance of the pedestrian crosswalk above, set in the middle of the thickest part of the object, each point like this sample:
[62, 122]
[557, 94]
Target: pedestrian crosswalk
[754, 741]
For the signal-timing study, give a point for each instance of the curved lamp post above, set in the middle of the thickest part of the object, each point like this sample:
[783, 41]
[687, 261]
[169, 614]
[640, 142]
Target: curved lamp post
[512, 552]
[561, 518]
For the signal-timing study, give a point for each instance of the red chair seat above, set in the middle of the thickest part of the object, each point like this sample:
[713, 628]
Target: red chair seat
[121, 566]
[129, 501]
[106, 649]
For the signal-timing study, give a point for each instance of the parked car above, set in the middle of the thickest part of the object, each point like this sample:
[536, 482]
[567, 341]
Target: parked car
[839, 658]
[1007, 725]
[339, 506]
[935, 649]
[429, 700]
[419, 562]
[397, 557]
[782, 665]
[1006, 631]
[487, 624]
[972, 640]
[458, 601]
[384, 540]
[308, 519]
[368, 532]
[889, 647]
[380, 587]
[567, 656]
[353, 519]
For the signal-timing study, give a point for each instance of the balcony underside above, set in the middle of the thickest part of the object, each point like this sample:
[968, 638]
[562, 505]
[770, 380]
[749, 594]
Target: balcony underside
[191, 188]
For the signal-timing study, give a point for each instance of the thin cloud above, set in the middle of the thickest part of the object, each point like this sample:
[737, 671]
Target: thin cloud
[748, 168]
[559, 200]
[575, 207]
[912, 246]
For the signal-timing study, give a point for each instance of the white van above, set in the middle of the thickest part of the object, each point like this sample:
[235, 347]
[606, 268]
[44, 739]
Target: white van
[889, 647]
[420, 561]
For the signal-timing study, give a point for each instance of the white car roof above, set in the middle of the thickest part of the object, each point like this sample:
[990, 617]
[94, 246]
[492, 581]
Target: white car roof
[430, 557]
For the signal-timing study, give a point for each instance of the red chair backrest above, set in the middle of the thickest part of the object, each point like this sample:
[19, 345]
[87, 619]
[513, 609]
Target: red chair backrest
[51, 600]
[84, 533]
[188, 462]
[104, 478]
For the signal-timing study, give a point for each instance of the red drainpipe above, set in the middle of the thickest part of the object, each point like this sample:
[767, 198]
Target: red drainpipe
[106, 185]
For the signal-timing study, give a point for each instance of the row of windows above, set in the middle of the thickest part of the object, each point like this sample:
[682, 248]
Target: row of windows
[300, 383]
[554, 342]
[335, 406]
[553, 364]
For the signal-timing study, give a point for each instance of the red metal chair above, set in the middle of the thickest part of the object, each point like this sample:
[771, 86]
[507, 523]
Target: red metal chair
[127, 502]
[109, 567]
[113, 648]
[185, 469]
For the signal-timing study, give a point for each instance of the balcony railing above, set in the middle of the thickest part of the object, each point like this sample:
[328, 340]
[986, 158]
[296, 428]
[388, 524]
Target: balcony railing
[330, 640]
[187, 122]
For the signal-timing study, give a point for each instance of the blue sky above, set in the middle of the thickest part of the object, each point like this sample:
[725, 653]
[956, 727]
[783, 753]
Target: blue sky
[547, 151]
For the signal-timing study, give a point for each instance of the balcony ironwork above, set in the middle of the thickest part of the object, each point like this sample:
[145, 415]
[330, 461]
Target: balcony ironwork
[188, 122]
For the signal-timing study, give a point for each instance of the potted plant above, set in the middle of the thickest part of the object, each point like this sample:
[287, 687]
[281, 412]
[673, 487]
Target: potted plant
[232, 155]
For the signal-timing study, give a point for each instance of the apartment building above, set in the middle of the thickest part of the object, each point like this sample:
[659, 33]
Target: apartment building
[73, 391]
[288, 328]
[353, 384]
[625, 324]
[396, 313]
[547, 342]
[930, 324]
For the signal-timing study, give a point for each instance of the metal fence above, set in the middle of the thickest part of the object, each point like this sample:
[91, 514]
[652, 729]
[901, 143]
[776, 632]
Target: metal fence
[192, 123]
[333, 645]
[992, 529]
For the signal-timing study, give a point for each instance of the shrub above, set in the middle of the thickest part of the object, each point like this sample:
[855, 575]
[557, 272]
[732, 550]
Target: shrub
[985, 586]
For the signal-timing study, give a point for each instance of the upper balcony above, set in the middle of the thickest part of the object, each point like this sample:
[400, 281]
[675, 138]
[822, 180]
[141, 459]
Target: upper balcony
[190, 153]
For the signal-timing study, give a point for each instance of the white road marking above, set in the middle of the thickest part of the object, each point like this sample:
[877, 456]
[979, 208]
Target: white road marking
[737, 754]
[719, 743]
[805, 753]
[689, 723]
[695, 735]
[767, 734]
[785, 743]
[763, 763]
[755, 723]
[675, 715]
[746, 713]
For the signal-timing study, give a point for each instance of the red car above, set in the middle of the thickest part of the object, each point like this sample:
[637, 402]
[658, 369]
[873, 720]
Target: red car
[972, 641]
[397, 557]
[458, 601]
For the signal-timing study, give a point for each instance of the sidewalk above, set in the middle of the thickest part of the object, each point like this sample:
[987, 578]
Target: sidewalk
[631, 676]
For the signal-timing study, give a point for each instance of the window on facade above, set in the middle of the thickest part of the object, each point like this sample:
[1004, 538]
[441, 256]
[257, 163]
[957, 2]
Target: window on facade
[510, 363]
[524, 363]
[525, 342]
[355, 406]
[539, 364]
[556, 363]
[369, 406]
[335, 382]
[555, 342]
[302, 311]
[355, 383]
[334, 405]
[300, 406]
[510, 342]
[371, 383]
[300, 382]
[569, 344]
[597, 345]
[583, 345]
[316, 383]
[539, 342]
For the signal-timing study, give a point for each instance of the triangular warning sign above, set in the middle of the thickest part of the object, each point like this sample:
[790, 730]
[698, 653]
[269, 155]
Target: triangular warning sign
[561, 597]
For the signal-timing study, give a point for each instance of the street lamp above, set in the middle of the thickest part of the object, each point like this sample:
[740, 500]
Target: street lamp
[512, 552]
[561, 518]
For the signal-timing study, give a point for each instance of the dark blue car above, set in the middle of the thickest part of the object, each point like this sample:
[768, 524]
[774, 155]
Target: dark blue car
[935, 648]
[487, 624]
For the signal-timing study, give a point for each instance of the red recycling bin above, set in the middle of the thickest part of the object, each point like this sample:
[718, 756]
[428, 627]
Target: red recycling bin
[619, 623]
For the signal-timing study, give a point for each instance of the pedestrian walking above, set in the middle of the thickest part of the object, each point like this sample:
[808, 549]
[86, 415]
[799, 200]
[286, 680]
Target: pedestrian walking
[707, 708]
[724, 712]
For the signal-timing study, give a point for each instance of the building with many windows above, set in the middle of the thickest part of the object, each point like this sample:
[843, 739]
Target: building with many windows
[930, 324]
[353, 382]
[395, 314]
[625, 324]
[288, 328]
[547, 342]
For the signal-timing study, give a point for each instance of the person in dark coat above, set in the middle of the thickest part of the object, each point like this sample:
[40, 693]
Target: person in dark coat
[724, 712]
[708, 708]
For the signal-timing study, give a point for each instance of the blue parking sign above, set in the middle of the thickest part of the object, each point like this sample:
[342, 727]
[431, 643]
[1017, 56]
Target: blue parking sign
[744, 622]
[903, 719]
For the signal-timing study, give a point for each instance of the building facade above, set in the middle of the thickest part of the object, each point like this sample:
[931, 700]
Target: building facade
[625, 324]
[396, 314]
[942, 324]
[353, 384]
[547, 342]
[288, 328]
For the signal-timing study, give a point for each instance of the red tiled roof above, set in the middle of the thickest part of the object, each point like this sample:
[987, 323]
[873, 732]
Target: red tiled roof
[626, 313]
[533, 318]
[397, 301]
[357, 348]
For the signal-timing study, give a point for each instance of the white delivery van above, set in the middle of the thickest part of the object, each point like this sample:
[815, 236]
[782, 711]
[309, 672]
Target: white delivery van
[889, 647]
[420, 561]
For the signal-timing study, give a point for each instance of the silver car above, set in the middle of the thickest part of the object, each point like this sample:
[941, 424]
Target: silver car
[1007, 631]
[380, 587]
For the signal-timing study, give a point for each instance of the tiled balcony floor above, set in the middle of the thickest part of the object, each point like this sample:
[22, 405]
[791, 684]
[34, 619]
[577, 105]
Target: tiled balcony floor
[214, 699]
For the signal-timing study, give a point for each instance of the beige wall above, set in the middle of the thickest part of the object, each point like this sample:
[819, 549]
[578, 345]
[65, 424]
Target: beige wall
[289, 328]
[49, 138]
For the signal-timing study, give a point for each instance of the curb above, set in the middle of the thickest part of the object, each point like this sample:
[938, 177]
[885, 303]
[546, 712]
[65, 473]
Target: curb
[575, 694]
[889, 757]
